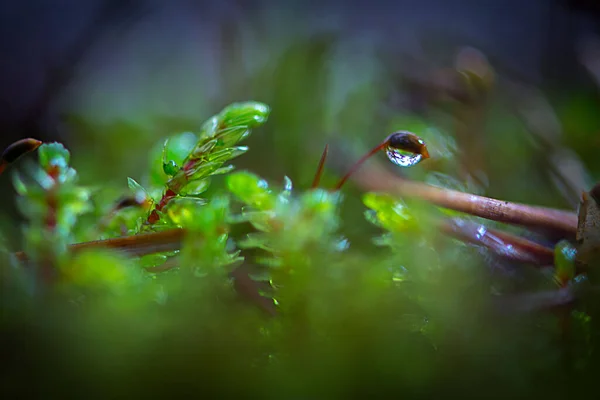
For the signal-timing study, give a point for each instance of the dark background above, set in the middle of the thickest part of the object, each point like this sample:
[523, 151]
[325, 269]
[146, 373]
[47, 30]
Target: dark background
[80, 55]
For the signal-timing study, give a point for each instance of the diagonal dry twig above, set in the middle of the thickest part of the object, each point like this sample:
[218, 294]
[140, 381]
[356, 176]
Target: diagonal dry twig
[374, 177]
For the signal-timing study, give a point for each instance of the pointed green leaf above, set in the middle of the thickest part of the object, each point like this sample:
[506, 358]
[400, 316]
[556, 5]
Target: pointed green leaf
[250, 114]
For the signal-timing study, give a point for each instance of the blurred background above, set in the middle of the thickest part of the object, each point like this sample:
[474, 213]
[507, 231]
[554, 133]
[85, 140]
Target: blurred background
[505, 92]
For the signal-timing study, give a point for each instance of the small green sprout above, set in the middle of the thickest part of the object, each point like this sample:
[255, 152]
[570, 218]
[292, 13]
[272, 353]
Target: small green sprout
[251, 114]
[54, 155]
[52, 200]
[188, 161]
[290, 228]
[170, 167]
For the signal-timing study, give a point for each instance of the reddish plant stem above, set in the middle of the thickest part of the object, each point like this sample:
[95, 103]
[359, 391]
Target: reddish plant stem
[353, 170]
[399, 140]
[139, 245]
[501, 243]
[51, 200]
[166, 197]
[319, 172]
[135, 245]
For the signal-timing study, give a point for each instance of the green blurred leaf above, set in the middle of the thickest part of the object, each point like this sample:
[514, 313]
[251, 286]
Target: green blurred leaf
[390, 212]
[102, 270]
[251, 189]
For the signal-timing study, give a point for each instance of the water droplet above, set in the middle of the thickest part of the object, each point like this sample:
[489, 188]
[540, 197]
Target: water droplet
[481, 231]
[287, 184]
[342, 245]
[399, 274]
[170, 168]
[403, 158]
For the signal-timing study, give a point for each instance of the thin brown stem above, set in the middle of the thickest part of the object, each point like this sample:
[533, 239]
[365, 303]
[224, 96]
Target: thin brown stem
[360, 162]
[504, 244]
[377, 178]
[320, 167]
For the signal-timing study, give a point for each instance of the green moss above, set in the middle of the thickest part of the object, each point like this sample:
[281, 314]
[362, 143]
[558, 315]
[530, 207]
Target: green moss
[415, 315]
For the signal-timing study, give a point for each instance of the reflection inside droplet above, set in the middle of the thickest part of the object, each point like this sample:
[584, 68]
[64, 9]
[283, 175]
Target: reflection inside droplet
[403, 158]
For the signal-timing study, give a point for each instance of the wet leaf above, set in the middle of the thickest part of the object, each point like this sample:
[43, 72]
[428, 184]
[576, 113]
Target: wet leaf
[224, 170]
[209, 128]
[204, 148]
[251, 189]
[170, 168]
[227, 154]
[202, 169]
[182, 210]
[231, 136]
[195, 187]
[250, 114]
[321, 201]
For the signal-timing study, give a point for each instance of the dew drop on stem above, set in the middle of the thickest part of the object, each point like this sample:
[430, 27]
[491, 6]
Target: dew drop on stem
[402, 158]
[405, 149]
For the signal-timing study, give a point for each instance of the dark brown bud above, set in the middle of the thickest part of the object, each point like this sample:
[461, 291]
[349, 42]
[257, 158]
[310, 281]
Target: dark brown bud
[19, 148]
[408, 141]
